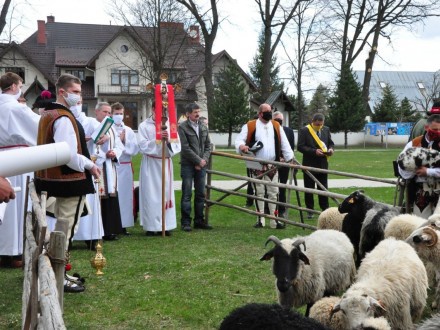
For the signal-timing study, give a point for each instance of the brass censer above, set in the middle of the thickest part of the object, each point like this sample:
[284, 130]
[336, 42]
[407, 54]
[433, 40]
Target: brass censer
[98, 261]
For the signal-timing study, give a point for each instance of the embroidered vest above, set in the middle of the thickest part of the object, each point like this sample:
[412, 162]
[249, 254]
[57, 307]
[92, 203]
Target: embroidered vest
[250, 140]
[62, 181]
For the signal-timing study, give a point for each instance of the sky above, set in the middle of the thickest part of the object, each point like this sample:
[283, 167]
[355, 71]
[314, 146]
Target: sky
[238, 35]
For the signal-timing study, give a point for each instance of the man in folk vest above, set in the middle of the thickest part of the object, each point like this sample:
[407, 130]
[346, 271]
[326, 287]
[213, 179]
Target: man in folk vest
[275, 147]
[427, 180]
[316, 145]
[71, 182]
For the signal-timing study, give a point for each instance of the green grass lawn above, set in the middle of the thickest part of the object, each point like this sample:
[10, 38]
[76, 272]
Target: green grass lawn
[186, 281]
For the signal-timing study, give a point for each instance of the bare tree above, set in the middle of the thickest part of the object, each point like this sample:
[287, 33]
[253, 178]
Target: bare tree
[159, 30]
[275, 16]
[366, 22]
[208, 19]
[4, 14]
[430, 93]
[304, 57]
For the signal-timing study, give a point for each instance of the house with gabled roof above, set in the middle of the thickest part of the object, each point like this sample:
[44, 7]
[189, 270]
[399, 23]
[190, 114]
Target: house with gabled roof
[420, 88]
[115, 63]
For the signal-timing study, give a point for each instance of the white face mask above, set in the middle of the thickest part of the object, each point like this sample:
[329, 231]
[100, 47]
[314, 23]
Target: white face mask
[72, 99]
[17, 95]
[76, 110]
[118, 119]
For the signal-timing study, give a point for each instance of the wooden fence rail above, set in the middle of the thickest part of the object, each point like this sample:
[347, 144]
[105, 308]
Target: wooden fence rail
[42, 300]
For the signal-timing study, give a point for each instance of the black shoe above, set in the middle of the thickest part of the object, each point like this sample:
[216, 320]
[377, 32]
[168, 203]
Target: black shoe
[258, 225]
[150, 233]
[280, 225]
[111, 237]
[91, 244]
[125, 232]
[249, 203]
[186, 228]
[167, 233]
[202, 225]
[309, 215]
[70, 286]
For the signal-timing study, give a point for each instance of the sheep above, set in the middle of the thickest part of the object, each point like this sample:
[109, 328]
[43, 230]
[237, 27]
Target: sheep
[391, 281]
[430, 324]
[321, 312]
[303, 278]
[402, 225]
[372, 230]
[331, 219]
[364, 222]
[425, 240]
[265, 316]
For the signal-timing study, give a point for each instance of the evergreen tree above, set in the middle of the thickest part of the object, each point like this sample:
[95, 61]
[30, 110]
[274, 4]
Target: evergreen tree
[298, 103]
[406, 112]
[231, 102]
[347, 113]
[386, 111]
[256, 70]
[318, 102]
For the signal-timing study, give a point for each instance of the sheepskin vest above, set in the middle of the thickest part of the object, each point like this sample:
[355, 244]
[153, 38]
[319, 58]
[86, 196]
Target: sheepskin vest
[62, 181]
[250, 140]
[420, 141]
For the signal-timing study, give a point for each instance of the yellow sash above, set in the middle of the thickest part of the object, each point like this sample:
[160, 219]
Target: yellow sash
[317, 139]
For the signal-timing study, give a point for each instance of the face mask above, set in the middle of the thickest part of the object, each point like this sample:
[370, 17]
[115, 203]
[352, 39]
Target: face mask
[17, 95]
[76, 110]
[72, 99]
[266, 116]
[118, 119]
[433, 135]
[279, 121]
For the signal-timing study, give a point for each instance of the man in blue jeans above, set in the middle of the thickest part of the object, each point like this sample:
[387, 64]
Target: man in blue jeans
[194, 156]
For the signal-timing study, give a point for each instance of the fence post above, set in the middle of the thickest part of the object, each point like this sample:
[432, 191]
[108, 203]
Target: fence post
[208, 190]
[57, 253]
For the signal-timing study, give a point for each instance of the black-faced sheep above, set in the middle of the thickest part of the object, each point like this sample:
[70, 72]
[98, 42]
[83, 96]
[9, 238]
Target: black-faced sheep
[321, 311]
[390, 281]
[425, 241]
[330, 218]
[325, 267]
[365, 221]
[430, 324]
[264, 316]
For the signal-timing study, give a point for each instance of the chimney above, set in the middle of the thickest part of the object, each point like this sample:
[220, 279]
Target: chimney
[51, 19]
[41, 33]
[194, 33]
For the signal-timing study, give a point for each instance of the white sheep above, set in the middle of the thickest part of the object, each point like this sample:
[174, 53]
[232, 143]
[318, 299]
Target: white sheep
[321, 311]
[432, 323]
[331, 219]
[425, 241]
[402, 225]
[391, 281]
[325, 267]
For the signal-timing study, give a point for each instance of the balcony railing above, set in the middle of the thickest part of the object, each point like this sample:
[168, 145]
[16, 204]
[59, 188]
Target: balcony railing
[119, 89]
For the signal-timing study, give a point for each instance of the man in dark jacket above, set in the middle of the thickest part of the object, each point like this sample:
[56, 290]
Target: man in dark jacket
[194, 157]
[316, 145]
[283, 172]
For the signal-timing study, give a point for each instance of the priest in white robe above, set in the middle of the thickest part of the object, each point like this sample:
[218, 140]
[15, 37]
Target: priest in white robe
[18, 129]
[150, 180]
[125, 168]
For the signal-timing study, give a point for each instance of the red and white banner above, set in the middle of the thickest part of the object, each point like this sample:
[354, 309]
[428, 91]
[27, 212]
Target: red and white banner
[172, 118]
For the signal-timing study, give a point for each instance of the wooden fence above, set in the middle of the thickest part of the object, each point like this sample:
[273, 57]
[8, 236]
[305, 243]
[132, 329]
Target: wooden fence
[398, 198]
[44, 262]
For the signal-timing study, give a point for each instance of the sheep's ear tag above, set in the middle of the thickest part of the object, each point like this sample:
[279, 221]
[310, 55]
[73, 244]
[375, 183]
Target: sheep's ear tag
[351, 200]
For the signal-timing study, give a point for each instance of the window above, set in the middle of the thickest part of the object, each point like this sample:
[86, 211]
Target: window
[77, 73]
[382, 84]
[124, 48]
[19, 71]
[420, 85]
[124, 77]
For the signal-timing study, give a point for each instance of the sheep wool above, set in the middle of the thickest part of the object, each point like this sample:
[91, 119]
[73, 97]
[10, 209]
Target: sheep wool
[331, 218]
[430, 324]
[402, 225]
[392, 281]
[321, 312]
